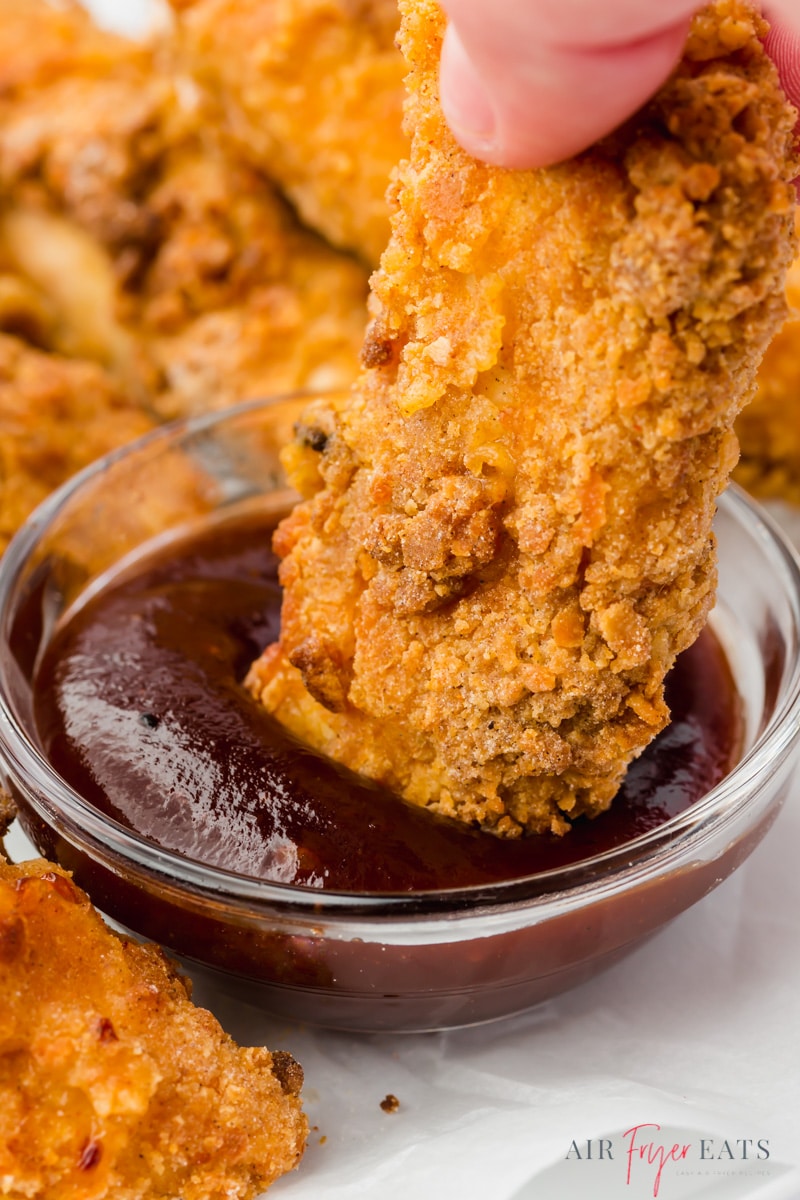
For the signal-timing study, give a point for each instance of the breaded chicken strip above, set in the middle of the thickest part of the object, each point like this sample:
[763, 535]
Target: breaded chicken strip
[769, 427]
[312, 90]
[511, 537]
[112, 1084]
[165, 257]
[56, 416]
[238, 301]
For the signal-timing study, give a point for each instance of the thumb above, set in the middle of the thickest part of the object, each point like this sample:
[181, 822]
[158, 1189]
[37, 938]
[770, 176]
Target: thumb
[783, 46]
[530, 82]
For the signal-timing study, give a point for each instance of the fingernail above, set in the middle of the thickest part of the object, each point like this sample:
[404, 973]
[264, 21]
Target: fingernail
[465, 103]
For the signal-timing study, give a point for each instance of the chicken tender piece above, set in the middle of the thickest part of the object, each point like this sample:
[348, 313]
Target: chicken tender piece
[56, 416]
[312, 91]
[769, 428]
[83, 117]
[112, 1084]
[166, 258]
[511, 537]
[238, 301]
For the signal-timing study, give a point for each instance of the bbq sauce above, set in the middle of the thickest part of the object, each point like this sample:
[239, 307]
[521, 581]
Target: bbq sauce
[140, 706]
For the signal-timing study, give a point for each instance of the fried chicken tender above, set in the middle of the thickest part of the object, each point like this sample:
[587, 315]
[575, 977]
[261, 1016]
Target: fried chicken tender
[769, 427]
[238, 300]
[112, 1084]
[56, 416]
[511, 537]
[312, 90]
[165, 257]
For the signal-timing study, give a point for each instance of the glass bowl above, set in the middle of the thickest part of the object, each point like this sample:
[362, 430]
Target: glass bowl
[416, 961]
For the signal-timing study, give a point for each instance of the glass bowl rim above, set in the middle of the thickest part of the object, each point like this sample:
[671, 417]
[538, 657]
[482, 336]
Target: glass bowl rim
[654, 851]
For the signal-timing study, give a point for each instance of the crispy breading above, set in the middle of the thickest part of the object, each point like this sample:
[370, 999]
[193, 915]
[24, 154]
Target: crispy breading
[511, 540]
[769, 427]
[312, 90]
[56, 416]
[112, 1083]
[164, 256]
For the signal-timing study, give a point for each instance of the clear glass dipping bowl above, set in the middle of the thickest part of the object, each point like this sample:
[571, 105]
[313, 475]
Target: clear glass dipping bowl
[359, 961]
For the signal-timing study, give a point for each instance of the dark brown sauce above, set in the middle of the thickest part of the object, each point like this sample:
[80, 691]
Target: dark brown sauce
[140, 707]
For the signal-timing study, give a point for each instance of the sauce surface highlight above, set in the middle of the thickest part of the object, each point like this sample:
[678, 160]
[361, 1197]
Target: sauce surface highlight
[140, 707]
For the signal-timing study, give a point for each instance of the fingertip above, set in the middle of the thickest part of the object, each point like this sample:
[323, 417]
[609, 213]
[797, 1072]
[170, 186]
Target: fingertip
[534, 106]
[464, 98]
[783, 46]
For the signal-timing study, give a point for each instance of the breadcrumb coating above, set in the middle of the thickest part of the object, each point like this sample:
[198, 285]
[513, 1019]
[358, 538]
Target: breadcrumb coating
[769, 427]
[510, 540]
[56, 416]
[312, 91]
[112, 1083]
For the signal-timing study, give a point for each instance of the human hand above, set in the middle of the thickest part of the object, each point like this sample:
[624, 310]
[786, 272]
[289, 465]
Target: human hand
[525, 83]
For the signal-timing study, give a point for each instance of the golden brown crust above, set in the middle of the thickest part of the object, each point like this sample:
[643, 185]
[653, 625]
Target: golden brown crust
[511, 536]
[769, 427]
[112, 1084]
[312, 92]
[239, 301]
[56, 416]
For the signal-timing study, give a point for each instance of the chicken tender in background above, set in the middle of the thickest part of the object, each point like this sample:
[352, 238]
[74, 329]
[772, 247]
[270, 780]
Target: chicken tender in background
[238, 301]
[769, 428]
[112, 1084]
[165, 257]
[312, 91]
[511, 537]
[56, 416]
[71, 43]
